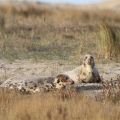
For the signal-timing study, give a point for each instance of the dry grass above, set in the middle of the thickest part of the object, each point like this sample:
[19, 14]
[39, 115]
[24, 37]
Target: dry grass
[61, 105]
[26, 31]
[109, 43]
[57, 105]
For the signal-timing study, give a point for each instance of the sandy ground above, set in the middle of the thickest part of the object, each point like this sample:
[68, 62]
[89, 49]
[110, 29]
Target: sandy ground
[49, 68]
[26, 70]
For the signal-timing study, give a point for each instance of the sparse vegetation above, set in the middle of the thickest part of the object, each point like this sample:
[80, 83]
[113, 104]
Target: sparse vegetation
[57, 105]
[111, 90]
[47, 32]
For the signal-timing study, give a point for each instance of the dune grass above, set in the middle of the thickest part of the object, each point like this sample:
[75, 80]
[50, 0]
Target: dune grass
[109, 43]
[55, 105]
[61, 105]
[47, 32]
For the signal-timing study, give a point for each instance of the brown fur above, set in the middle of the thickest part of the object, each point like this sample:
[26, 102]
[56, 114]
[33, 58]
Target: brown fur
[62, 80]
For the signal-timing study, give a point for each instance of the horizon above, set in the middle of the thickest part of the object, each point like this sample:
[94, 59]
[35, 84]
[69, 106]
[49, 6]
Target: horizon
[56, 1]
[71, 1]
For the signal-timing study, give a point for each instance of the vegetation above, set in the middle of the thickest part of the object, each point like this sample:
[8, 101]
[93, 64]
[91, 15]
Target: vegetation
[60, 105]
[109, 42]
[60, 33]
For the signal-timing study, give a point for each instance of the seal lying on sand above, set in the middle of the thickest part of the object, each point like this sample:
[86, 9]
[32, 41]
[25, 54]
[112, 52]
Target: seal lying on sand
[31, 84]
[85, 73]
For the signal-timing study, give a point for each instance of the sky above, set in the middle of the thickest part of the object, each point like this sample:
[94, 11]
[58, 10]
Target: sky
[71, 1]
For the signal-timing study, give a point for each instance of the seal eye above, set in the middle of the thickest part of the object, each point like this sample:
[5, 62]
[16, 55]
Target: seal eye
[58, 81]
[66, 78]
[91, 57]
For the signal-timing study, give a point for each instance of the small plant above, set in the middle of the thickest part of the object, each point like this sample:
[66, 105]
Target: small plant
[111, 90]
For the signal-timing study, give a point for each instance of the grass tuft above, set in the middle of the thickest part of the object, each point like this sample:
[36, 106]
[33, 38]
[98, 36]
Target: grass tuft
[109, 42]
